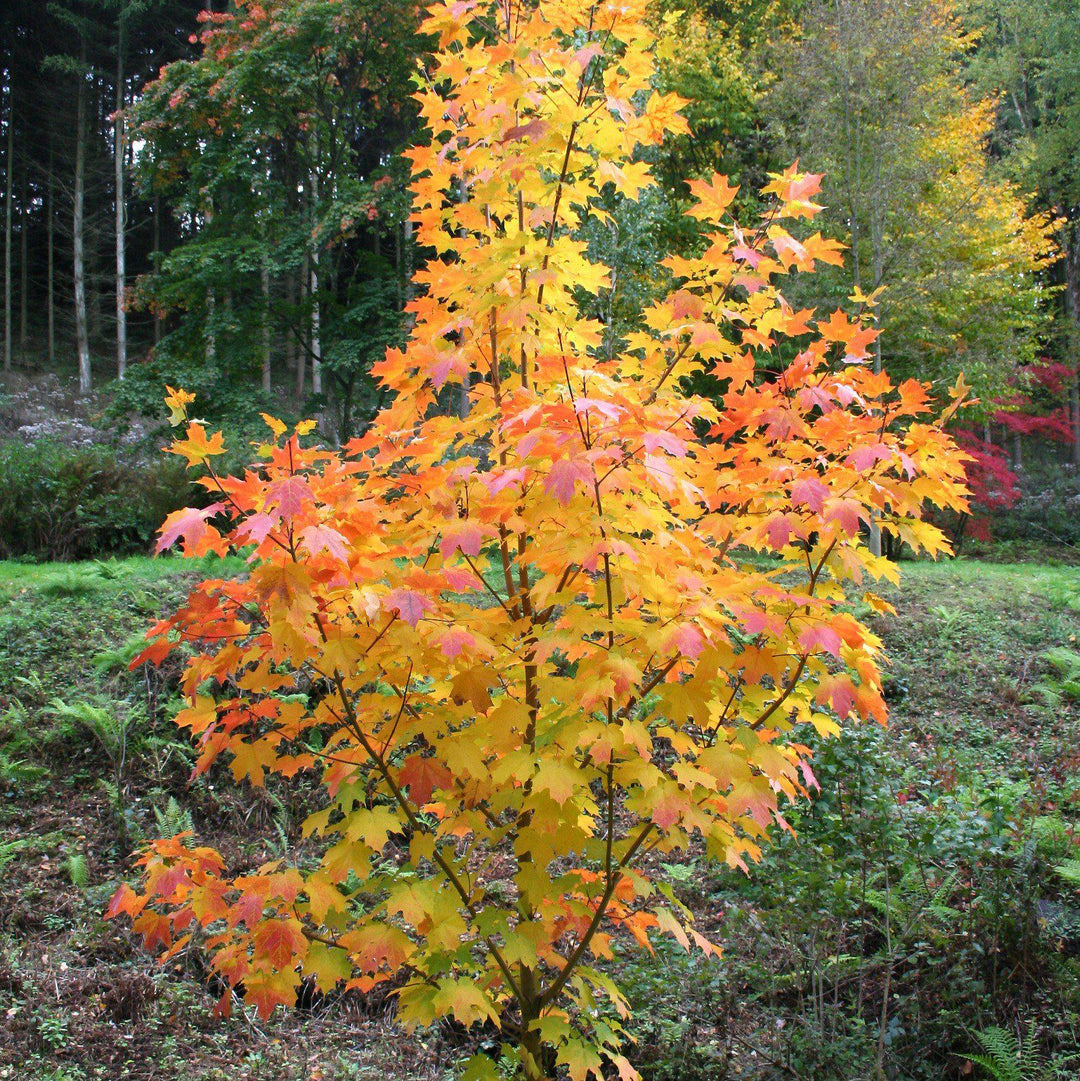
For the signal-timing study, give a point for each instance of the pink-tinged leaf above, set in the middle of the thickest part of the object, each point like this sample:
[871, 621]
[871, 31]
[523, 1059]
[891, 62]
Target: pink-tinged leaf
[289, 495]
[586, 53]
[846, 513]
[664, 441]
[438, 372]
[257, 527]
[523, 418]
[408, 604]
[809, 493]
[757, 622]
[597, 405]
[189, 523]
[747, 255]
[788, 249]
[526, 443]
[496, 482]
[668, 809]
[688, 640]
[846, 395]
[660, 471]
[820, 637]
[910, 469]
[803, 187]
[322, 538]
[864, 458]
[817, 397]
[843, 696]
[779, 529]
[808, 775]
[453, 641]
[459, 579]
[565, 473]
[465, 537]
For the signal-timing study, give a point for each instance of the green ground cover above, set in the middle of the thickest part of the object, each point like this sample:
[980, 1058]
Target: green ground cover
[924, 901]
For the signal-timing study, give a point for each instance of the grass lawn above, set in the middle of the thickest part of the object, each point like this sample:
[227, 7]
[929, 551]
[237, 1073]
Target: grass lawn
[918, 906]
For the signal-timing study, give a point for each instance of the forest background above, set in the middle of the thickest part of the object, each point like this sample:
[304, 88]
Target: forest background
[216, 199]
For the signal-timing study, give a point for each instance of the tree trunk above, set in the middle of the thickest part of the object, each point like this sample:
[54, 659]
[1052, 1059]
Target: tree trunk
[316, 314]
[266, 379]
[290, 335]
[7, 224]
[210, 330]
[1071, 245]
[50, 269]
[24, 263]
[303, 339]
[154, 263]
[121, 209]
[78, 254]
[1076, 418]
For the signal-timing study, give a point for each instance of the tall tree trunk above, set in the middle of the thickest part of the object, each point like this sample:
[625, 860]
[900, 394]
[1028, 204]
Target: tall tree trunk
[154, 263]
[303, 339]
[121, 208]
[265, 281]
[210, 329]
[7, 223]
[24, 261]
[78, 241]
[1071, 244]
[1076, 418]
[316, 314]
[50, 269]
[290, 335]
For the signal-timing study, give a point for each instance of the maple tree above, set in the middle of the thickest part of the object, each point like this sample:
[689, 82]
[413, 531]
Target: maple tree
[526, 646]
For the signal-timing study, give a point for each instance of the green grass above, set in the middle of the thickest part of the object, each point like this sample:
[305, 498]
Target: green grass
[969, 800]
[105, 574]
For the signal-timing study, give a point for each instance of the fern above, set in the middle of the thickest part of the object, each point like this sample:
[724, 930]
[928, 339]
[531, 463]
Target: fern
[1008, 1058]
[31, 685]
[71, 582]
[1069, 871]
[10, 849]
[78, 870]
[911, 900]
[16, 772]
[110, 729]
[173, 819]
[1064, 683]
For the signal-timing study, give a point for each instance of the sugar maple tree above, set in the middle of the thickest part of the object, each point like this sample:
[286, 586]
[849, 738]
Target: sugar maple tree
[525, 648]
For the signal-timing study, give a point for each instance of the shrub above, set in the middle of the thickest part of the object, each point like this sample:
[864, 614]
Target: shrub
[1048, 509]
[61, 503]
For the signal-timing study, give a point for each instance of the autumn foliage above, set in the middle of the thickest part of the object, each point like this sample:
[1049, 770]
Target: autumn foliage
[526, 640]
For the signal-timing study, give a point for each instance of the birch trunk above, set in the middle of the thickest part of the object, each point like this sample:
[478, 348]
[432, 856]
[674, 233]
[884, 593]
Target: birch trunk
[121, 208]
[266, 380]
[24, 261]
[7, 225]
[303, 339]
[316, 314]
[50, 269]
[78, 254]
[154, 263]
[210, 329]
